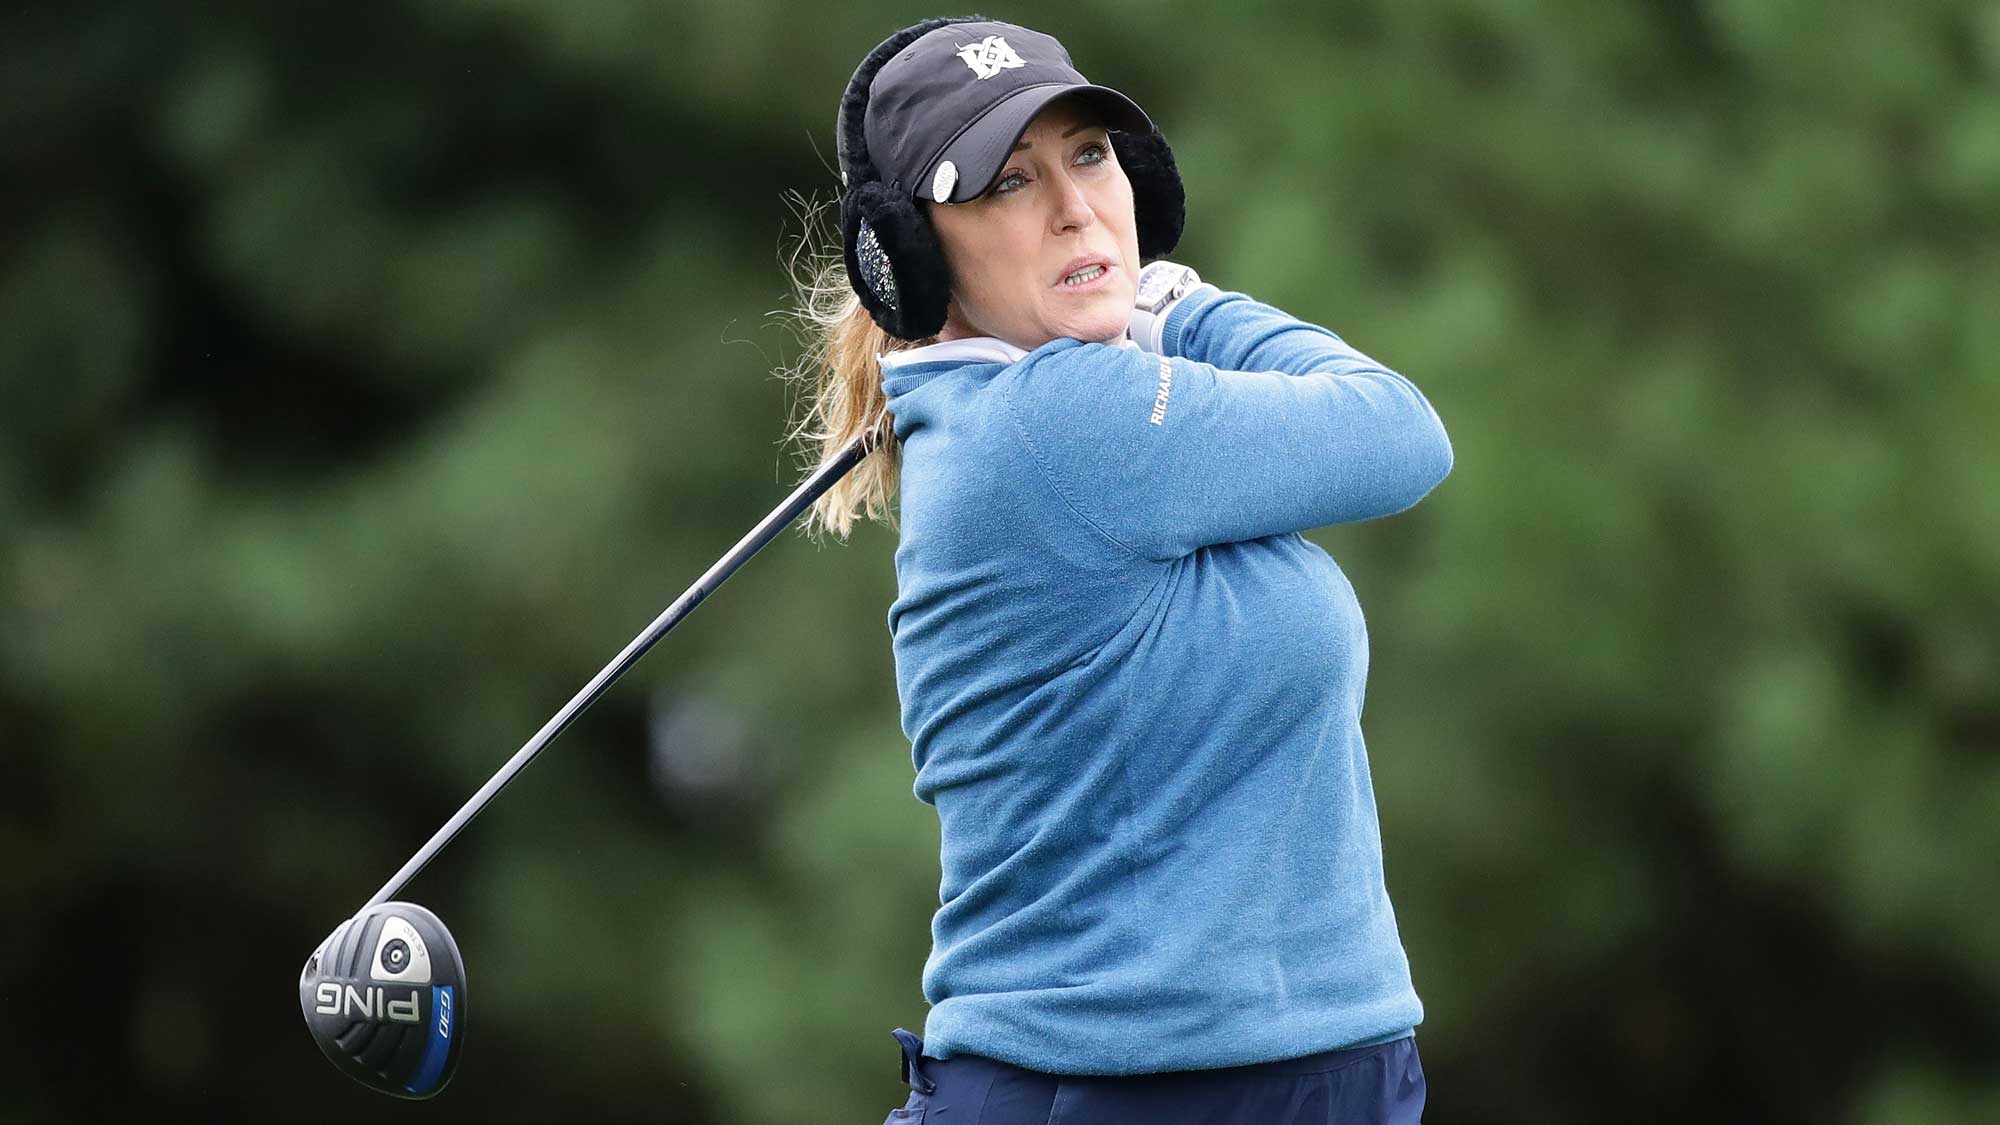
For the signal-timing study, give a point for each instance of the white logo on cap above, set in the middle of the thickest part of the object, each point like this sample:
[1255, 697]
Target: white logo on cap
[944, 181]
[990, 56]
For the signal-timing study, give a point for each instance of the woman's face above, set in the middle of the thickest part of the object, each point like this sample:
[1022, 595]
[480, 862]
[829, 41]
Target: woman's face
[1060, 200]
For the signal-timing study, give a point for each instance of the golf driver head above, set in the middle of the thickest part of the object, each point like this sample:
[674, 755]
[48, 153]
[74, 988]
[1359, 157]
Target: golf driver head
[384, 997]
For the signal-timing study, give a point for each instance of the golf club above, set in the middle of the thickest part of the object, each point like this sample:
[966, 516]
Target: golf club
[384, 994]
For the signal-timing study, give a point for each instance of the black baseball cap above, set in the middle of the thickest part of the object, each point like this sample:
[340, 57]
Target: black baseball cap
[945, 112]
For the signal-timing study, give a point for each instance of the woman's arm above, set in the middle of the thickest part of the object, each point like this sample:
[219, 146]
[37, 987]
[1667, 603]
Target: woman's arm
[1168, 454]
[1237, 332]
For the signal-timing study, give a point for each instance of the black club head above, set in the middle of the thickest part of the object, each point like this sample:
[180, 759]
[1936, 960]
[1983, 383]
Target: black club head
[384, 997]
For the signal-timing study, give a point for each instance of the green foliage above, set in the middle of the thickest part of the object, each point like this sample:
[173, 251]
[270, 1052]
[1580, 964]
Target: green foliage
[368, 375]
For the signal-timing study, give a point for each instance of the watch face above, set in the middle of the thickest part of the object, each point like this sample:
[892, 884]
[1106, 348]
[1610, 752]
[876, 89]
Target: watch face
[1154, 286]
[1162, 282]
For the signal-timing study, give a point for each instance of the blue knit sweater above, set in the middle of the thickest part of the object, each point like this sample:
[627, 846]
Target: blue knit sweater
[1134, 692]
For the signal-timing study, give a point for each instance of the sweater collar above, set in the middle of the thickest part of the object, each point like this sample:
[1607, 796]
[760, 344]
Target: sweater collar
[971, 349]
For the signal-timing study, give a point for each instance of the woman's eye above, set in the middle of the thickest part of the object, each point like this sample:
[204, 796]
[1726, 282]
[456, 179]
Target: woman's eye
[1092, 153]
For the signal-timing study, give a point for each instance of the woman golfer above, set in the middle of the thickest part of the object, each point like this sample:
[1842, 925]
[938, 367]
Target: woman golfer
[1133, 690]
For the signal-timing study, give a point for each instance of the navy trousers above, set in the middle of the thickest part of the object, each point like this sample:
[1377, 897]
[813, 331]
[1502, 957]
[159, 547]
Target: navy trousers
[1380, 1085]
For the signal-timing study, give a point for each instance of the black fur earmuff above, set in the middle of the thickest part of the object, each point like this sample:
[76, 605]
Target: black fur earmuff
[894, 262]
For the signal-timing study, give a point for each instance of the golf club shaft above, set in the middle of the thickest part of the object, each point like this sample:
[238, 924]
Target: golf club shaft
[766, 530]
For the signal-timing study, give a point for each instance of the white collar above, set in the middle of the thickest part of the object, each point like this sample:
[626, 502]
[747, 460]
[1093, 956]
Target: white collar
[970, 349]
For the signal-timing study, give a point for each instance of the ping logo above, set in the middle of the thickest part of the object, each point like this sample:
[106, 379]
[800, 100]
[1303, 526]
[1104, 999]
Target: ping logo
[990, 56]
[370, 1003]
[1166, 388]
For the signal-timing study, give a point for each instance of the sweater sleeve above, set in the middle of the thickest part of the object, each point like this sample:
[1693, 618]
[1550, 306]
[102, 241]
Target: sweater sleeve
[1237, 332]
[1168, 454]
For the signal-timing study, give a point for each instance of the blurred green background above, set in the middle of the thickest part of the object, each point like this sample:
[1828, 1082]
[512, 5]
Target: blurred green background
[370, 373]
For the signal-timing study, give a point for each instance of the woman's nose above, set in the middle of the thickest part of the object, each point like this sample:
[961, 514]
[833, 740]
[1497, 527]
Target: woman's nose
[1072, 207]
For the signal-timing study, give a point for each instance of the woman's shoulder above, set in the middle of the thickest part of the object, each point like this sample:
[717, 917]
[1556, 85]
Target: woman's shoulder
[1071, 382]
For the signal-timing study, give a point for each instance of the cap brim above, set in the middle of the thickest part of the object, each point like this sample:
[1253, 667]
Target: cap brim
[981, 150]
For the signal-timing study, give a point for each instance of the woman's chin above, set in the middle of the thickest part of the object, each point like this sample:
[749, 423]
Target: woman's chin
[1110, 332]
[1102, 325]
[1101, 319]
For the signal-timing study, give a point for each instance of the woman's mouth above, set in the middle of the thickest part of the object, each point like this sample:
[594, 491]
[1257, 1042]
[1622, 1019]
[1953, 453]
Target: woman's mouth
[1089, 277]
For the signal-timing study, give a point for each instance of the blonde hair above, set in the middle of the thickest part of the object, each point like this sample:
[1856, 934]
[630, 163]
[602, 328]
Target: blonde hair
[837, 381]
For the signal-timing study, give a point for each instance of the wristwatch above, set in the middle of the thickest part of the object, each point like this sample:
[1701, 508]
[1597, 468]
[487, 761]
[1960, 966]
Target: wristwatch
[1160, 285]
[1163, 282]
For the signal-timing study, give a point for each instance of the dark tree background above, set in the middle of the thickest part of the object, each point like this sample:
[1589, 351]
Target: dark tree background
[369, 373]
